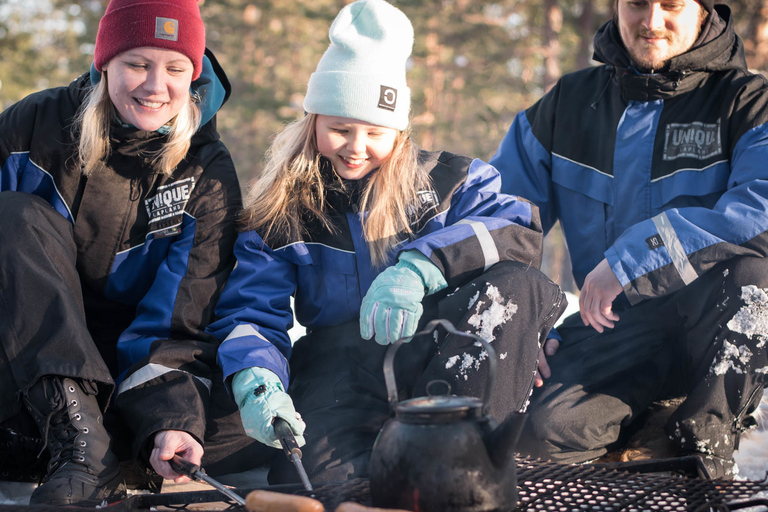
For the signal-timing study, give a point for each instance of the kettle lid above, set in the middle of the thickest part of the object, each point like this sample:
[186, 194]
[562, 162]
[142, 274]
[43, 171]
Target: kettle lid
[439, 409]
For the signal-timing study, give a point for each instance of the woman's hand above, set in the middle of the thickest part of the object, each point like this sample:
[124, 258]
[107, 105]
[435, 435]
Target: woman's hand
[174, 442]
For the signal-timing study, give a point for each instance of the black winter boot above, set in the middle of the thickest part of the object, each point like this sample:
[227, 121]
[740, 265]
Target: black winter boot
[83, 470]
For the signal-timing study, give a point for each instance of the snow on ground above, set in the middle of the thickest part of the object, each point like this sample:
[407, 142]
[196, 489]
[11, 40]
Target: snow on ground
[573, 306]
[15, 493]
[752, 455]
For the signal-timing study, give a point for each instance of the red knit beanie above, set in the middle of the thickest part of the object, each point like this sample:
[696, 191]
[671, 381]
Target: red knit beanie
[169, 24]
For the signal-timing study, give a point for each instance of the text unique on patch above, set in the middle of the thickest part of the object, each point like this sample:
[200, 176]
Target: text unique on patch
[170, 200]
[692, 140]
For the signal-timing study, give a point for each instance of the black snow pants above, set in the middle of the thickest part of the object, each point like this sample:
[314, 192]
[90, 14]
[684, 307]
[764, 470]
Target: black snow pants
[51, 324]
[337, 378]
[705, 342]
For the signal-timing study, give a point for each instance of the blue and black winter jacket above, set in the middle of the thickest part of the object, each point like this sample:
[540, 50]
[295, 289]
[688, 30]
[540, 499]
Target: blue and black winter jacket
[154, 251]
[463, 225]
[665, 175]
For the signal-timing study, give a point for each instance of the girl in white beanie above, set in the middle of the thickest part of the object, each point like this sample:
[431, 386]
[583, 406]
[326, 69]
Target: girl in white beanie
[373, 237]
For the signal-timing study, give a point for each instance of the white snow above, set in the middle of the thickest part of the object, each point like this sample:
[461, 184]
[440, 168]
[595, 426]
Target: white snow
[752, 455]
[495, 315]
[473, 299]
[752, 319]
[729, 357]
[571, 308]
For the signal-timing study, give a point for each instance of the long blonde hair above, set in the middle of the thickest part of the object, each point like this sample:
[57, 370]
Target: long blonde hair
[93, 121]
[290, 191]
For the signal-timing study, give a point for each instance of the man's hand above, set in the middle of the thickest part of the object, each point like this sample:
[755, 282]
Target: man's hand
[548, 349]
[169, 443]
[597, 295]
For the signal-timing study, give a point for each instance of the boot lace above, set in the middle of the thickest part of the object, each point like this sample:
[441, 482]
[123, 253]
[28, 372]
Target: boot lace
[61, 433]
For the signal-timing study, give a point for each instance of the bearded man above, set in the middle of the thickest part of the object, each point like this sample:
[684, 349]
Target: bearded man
[656, 165]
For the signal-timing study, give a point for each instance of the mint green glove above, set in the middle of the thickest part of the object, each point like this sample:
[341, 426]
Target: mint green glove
[392, 307]
[260, 396]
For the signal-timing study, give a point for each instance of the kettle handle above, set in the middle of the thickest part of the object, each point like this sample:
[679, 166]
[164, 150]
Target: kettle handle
[389, 360]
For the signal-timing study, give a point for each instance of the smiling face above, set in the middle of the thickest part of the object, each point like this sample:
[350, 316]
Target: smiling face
[149, 86]
[654, 31]
[355, 148]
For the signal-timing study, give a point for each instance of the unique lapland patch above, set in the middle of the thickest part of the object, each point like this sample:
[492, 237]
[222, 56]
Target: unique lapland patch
[692, 140]
[170, 200]
[427, 201]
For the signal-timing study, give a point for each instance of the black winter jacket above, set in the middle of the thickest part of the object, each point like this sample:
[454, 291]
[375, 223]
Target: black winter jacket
[153, 251]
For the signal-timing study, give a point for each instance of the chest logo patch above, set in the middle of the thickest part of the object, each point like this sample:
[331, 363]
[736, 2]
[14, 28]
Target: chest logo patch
[692, 140]
[427, 200]
[170, 200]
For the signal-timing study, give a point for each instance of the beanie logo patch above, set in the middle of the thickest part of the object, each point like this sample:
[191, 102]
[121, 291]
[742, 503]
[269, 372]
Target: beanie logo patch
[388, 98]
[167, 28]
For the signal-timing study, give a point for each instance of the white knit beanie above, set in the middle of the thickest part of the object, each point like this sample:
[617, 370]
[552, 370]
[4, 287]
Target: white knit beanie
[362, 73]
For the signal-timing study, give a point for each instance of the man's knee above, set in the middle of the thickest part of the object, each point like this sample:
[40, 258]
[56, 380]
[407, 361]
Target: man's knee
[568, 429]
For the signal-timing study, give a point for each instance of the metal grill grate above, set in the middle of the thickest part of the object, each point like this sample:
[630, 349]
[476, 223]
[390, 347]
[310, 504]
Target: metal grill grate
[543, 486]
[550, 486]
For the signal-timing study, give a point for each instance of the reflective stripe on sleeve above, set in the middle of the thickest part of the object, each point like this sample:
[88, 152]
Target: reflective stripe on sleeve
[490, 252]
[151, 371]
[244, 330]
[675, 248]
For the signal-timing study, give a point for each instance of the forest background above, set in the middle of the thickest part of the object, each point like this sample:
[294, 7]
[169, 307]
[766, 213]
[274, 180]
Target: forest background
[475, 64]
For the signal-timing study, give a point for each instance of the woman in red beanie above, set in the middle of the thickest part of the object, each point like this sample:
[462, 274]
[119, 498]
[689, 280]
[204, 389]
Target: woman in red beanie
[118, 203]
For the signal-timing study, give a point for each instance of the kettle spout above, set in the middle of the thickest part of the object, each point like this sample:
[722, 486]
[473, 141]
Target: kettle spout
[502, 441]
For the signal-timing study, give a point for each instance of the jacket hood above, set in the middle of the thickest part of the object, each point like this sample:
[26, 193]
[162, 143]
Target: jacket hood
[718, 49]
[212, 87]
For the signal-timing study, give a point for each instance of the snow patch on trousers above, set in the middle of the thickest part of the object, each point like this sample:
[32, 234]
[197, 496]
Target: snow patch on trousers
[495, 315]
[752, 319]
[731, 357]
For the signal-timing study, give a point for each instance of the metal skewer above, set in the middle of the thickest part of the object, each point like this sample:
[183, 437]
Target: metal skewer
[291, 449]
[184, 467]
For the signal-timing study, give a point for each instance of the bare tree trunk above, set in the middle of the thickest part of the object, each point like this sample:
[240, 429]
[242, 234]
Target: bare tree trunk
[586, 33]
[553, 23]
[759, 33]
[433, 91]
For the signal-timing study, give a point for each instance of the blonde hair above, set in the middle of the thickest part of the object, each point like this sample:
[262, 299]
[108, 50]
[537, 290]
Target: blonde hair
[290, 191]
[93, 121]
